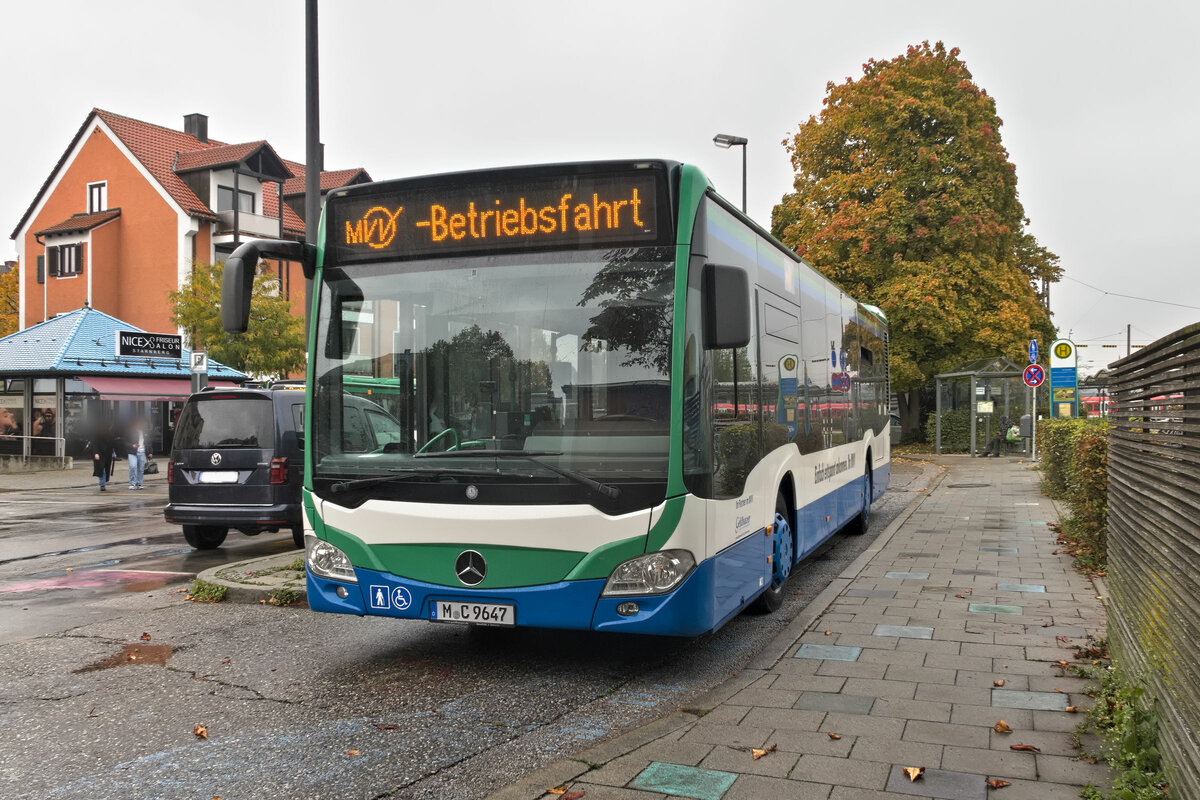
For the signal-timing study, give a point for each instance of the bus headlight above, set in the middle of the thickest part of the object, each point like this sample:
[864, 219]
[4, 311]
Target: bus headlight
[653, 573]
[328, 561]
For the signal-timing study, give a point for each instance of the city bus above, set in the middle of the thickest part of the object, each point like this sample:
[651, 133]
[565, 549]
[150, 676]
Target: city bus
[623, 405]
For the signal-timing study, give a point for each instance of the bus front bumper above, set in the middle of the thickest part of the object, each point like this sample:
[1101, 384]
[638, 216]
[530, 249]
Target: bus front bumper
[577, 605]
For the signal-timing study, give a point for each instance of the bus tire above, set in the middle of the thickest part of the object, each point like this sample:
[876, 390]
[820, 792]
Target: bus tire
[859, 524]
[782, 557]
[205, 537]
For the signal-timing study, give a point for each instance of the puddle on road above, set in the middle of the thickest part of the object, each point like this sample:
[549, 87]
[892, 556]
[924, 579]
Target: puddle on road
[133, 654]
[122, 580]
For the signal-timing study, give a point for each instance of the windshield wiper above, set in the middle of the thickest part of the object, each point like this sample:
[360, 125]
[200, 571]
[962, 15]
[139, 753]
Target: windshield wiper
[607, 490]
[407, 475]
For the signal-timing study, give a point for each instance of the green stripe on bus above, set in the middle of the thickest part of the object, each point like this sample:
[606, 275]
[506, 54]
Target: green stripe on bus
[604, 559]
[662, 530]
[507, 567]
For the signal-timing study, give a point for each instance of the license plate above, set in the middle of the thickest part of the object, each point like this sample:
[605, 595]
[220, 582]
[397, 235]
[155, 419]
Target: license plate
[224, 476]
[481, 613]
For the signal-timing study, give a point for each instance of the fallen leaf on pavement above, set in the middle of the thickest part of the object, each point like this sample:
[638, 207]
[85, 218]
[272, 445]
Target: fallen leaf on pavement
[1047, 624]
[226, 661]
[387, 727]
[998, 683]
[70, 569]
[558, 790]
[1060, 691]
[352, 752]
[1071, 709]
[1025, 748]
[200, 730]
[996, 783]
[145, 637]
[961, 596]
[833, 736]
[827, 633]
[1001, 727]
[1062, 639]
[573, 795]
[760, 753]
[1062, 663]
[913, 773]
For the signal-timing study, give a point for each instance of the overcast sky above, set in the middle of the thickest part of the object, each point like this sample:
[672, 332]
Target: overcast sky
[1099, 102]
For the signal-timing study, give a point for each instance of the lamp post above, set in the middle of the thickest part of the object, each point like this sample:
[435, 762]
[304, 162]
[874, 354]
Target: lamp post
[726, 141]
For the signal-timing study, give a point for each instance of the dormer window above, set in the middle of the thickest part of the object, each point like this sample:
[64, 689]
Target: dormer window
[97, 197]
[225, 200]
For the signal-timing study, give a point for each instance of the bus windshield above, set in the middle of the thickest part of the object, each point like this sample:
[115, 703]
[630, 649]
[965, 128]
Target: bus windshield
[561, 360]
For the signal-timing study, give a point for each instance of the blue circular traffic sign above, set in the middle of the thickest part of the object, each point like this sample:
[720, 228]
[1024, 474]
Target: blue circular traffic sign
[1033, 376]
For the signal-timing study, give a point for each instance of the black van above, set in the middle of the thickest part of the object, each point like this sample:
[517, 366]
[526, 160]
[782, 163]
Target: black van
[237, 461]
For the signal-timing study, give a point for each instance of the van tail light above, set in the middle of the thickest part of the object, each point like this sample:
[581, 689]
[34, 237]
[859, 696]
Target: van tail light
[170, 470]
[279, 471]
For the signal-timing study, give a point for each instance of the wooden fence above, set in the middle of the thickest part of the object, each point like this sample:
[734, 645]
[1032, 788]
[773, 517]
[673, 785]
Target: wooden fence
[1154, 538]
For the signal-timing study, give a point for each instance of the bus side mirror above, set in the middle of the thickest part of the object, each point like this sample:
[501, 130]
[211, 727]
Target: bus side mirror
[237, 281]
[726, 307]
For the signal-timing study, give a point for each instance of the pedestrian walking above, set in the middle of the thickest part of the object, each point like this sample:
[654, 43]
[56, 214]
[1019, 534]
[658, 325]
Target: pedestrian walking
[101, 446]
[135, 445]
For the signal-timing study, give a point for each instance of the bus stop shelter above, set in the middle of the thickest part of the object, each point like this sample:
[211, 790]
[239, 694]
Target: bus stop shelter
[987, 389]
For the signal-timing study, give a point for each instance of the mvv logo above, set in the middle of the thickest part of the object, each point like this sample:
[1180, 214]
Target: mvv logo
[376, 228]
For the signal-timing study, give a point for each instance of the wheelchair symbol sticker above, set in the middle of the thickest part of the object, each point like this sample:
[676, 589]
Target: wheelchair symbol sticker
[401, 598]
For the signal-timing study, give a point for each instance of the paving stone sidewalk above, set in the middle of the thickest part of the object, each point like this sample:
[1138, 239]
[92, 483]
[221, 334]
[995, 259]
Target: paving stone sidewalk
[955, 619]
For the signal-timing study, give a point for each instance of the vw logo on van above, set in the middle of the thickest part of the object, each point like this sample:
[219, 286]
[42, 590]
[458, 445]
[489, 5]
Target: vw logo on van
[470, 567]
[216, 459]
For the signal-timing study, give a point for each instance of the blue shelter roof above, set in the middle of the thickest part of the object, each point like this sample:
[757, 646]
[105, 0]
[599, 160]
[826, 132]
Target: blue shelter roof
[82, 342]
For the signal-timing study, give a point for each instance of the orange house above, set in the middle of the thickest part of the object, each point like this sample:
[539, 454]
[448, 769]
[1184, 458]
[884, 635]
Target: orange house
[130, 206]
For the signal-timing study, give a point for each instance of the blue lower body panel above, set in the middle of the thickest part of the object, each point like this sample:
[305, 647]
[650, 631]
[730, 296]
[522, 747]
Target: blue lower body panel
[688, 611]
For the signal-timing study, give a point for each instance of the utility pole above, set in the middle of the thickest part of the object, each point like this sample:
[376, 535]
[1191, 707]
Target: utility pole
[312, 142]
[1128, 331]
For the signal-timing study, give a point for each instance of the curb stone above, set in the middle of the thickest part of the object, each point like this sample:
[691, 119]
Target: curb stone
[535, 784]
[261, 588]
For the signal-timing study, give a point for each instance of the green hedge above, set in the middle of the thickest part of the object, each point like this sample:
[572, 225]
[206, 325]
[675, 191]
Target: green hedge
[956, 431]
[1074, 464]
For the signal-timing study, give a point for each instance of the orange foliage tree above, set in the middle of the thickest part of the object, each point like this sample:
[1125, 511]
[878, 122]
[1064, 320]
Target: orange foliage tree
[905, 196]
[10, 300]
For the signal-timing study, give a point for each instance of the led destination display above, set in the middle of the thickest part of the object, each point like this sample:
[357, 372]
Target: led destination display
[568, 212]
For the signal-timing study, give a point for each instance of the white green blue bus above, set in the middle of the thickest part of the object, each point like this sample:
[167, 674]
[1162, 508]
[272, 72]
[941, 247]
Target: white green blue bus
[622, 405]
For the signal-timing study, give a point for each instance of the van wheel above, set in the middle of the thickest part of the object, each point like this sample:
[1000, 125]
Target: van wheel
[204, 537]
[859, 524]
[782, 556]
[298, 536]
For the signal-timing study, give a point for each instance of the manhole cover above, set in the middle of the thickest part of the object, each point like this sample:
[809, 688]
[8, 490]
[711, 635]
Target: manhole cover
[967, 485]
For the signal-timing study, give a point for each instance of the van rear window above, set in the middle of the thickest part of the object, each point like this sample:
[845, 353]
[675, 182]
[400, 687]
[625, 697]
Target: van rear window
[223, 422]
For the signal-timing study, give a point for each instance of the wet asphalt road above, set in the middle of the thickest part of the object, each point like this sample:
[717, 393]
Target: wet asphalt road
[302, 705]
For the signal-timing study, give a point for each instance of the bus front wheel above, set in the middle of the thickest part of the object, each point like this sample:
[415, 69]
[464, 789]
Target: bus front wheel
[782, 556]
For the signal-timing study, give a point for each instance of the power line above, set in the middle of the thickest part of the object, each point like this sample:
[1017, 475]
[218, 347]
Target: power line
[1131, 297]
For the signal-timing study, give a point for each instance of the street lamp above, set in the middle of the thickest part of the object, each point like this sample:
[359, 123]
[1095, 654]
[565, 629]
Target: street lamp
[726, 141]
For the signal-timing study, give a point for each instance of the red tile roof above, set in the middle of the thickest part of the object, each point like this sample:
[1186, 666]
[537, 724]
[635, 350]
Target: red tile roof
[330, 179]
[81, 222]
[223, 155]
[163, 150]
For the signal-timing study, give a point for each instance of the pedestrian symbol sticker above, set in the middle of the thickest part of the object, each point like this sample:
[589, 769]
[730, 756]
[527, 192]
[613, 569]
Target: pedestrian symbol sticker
[379, 598]
[401, 598]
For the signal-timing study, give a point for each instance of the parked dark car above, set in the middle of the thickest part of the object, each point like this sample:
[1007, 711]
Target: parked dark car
[238, 461]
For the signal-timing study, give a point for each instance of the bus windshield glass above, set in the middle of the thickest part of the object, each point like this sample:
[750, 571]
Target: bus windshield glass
[547, 373]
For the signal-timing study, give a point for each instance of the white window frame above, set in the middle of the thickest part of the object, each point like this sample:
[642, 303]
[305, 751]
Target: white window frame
[103, 193]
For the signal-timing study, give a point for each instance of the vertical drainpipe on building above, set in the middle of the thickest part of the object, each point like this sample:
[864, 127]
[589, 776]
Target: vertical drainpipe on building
[90, 266]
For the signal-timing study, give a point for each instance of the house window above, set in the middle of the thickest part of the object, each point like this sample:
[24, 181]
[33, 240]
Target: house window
[97, 198]
[65, 261]
[225, 200]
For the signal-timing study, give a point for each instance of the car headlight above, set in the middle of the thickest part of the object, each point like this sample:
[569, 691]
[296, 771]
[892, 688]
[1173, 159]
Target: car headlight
[328, 561]
[653, 573]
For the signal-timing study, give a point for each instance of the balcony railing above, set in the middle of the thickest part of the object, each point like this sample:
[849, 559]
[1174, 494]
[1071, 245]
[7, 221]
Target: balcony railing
[255, 224]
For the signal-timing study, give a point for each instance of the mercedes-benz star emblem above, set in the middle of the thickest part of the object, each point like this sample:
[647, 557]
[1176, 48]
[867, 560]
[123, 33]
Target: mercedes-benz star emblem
[216, 459]
[472, 492]
[470, 568]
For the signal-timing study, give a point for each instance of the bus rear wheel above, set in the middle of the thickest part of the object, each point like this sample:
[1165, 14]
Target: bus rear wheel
[859, 524]
[782, 556]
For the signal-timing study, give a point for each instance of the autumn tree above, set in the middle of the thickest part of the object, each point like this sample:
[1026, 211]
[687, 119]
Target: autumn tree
[905, 196]
[272, 346]
[10, 301]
